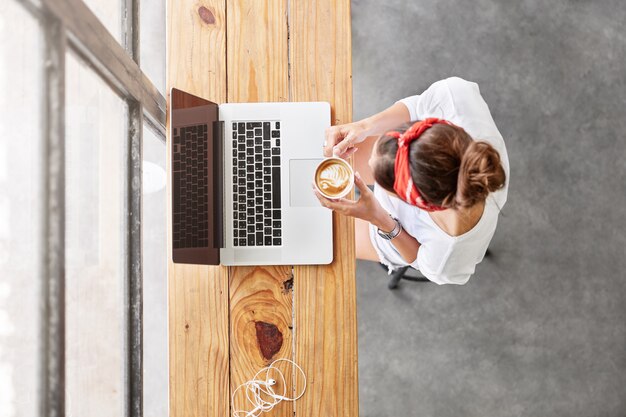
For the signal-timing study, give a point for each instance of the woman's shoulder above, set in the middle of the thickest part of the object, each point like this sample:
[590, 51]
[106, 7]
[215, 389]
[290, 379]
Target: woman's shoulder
[456, 223]
[452, 259]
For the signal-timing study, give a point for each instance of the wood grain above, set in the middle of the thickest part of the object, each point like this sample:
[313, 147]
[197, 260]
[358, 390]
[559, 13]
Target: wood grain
[261, 329]
[325, 296]
[197, 295]
[271, 314]
[257, 51]
[260, 298]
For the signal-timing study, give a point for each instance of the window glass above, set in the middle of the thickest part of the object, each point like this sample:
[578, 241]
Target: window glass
[152, 40]
[110, 14]
[96, 259]
[20, 208]
[154, 225]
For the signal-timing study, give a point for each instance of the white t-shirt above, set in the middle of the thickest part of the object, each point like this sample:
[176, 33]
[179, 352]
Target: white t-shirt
[442, 258]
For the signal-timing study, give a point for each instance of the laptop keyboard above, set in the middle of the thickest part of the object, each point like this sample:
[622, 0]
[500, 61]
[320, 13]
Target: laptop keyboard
[189, 207]
[256, 184]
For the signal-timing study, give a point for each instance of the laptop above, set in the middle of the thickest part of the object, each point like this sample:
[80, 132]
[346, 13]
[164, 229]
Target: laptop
[241, 182]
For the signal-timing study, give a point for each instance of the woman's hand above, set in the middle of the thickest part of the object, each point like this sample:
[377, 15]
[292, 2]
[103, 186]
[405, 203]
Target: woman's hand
[369, 209]
[366, 207]
[340, 140]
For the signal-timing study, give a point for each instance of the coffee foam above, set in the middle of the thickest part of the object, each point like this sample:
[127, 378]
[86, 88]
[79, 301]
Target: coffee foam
[333, 178]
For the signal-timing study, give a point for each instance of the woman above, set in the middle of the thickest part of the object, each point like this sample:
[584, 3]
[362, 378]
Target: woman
[440, 182]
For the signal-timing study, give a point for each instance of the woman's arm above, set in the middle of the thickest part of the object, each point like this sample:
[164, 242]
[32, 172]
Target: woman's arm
[369, 209]
[404, 243]
[389, 118]
[340, 139]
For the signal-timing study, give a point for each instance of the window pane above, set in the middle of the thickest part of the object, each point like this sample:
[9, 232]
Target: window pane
[154, 277]
[110, 14]
[96, 134]
[20, 208]
[152, 41]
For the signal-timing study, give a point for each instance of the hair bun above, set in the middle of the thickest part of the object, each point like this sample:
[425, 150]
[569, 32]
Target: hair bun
[479, 174]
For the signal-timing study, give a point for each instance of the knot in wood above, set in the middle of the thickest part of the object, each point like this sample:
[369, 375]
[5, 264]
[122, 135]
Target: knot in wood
[269, 337]
[206, 15]
[287, 285]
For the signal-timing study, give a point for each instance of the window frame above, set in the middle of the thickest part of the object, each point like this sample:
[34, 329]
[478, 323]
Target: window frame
[69, 25]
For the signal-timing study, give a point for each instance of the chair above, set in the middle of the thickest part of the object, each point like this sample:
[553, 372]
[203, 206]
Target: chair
[400, 274]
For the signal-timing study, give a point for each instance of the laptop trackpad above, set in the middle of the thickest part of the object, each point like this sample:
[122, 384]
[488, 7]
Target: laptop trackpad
[301, 172]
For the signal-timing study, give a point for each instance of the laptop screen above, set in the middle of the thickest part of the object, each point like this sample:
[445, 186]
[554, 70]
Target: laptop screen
[196, 156]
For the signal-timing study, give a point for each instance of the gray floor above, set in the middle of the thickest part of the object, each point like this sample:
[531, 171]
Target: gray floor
[540, 330]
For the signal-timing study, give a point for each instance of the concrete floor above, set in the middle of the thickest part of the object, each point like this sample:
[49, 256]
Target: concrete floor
[540, 330]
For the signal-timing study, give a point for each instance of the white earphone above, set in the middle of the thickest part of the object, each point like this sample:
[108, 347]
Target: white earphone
[257, 387]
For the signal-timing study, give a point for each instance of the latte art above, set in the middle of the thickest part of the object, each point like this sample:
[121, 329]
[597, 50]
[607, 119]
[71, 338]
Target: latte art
[333, 177]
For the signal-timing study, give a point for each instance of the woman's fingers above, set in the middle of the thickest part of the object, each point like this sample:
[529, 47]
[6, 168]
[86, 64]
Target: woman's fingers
[333, 136]
[345, 202]
[325, 202]
[342, 147]
[340, 140]
[358, 181]
[350, 151]
[340, 205]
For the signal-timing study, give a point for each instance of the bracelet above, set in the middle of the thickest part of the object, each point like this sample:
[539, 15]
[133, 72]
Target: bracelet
[394, 233]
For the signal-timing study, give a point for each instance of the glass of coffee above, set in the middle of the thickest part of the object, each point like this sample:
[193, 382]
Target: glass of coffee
[334, 178]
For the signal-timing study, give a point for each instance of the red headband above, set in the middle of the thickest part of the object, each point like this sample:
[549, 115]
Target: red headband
[403, 185]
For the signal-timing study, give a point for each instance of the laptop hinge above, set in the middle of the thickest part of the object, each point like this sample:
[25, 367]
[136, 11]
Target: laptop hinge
[218, 185]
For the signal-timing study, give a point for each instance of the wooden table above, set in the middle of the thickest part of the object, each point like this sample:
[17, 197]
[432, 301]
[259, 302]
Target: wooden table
[226, 323]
